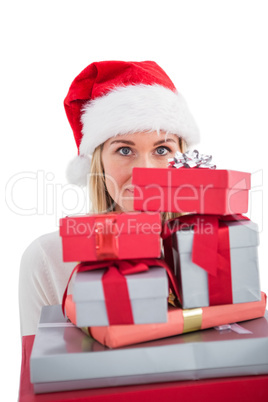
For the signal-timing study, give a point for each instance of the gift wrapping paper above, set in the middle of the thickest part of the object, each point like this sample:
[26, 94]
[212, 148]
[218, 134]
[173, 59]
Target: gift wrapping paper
[204, 191]
[179, 321]
[246, 388]
[148, 293]
[64, 358]
[243, 254]
[110, 236]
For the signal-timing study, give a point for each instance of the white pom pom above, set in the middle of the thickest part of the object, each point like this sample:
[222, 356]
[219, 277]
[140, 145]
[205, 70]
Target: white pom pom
[78, 170]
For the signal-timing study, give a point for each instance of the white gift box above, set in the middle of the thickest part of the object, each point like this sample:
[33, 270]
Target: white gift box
[148, 293]
[193, 280]
[64, 358]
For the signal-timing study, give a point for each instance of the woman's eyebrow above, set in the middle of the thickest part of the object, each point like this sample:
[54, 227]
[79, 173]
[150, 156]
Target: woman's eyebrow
[123, 141]
[163, 141]
[133, 143]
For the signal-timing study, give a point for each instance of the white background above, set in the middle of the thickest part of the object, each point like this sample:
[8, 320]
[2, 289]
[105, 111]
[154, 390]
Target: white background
[214, 51]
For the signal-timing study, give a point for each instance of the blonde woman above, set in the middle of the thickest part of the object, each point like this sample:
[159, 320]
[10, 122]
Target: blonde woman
[123, 115]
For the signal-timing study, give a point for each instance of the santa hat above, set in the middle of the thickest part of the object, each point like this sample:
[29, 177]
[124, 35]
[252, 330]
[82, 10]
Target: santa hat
[116, 97]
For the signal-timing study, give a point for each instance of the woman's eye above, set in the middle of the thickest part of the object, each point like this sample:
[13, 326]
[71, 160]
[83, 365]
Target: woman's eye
[125, 151]
[162, 150]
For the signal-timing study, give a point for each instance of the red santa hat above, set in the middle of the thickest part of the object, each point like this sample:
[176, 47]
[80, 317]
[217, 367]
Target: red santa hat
[115, 97]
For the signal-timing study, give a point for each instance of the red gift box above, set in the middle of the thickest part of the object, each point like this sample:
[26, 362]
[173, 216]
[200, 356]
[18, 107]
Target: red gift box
[204, 191]
[111, 236]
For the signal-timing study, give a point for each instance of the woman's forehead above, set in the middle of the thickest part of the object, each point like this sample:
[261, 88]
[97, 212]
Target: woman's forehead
[151, 137]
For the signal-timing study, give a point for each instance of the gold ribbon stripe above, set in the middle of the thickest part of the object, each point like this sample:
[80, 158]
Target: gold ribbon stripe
[192, 319]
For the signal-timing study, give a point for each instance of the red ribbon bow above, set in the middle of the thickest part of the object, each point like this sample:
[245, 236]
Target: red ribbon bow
[211, 250]
[118, 305]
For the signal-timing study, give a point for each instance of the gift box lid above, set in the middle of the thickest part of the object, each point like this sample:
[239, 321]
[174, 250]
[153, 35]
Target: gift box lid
[241, 234]
[197, 177]
[116, 223]
[64, 353]
[87, 285]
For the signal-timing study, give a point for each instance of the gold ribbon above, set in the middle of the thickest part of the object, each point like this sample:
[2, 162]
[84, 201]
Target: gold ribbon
[86, 331]
[192, 319]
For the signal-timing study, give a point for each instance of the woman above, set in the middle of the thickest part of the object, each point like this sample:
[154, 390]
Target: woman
[123, 115]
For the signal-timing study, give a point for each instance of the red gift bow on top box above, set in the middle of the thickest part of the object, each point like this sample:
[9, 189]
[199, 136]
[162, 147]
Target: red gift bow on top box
[211, 251]
[117, 300]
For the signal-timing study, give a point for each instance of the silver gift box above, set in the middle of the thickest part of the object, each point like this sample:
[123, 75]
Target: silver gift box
[64, 358]
[193, 280]
[148, 293]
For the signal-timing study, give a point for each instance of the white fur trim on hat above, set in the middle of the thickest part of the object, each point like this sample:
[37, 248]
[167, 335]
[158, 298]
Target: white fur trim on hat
[136, 108]
[130, 109]
[78, 170]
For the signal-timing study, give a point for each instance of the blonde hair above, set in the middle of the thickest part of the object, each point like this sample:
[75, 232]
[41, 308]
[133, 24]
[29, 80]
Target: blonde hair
[100, 198]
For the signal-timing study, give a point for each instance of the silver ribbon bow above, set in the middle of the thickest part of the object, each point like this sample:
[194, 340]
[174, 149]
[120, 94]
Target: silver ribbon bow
[191, 160]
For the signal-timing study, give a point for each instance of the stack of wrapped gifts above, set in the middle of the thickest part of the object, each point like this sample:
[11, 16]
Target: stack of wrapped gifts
[152, 300]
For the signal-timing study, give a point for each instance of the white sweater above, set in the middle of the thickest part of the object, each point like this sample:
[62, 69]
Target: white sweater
[43, 278]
